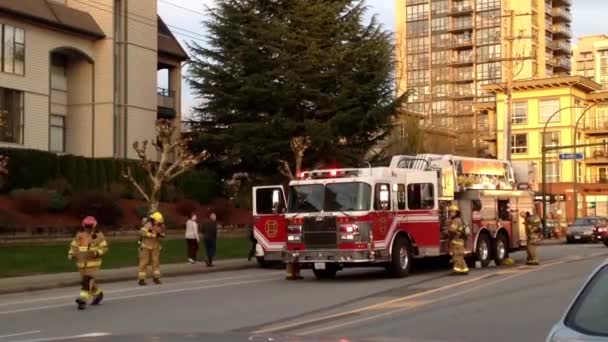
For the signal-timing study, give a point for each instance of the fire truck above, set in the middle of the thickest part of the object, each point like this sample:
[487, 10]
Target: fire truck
[391, 216]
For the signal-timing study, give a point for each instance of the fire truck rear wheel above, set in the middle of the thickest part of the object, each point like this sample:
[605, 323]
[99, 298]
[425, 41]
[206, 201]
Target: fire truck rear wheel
[482, 252]
[401, 258]
[501, 249]
[261, 262]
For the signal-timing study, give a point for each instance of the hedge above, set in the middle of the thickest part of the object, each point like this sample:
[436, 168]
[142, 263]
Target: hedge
[35, 169]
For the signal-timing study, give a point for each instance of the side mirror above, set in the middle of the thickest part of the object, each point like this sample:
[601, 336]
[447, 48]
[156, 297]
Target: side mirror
[384, 196]
[275, 201]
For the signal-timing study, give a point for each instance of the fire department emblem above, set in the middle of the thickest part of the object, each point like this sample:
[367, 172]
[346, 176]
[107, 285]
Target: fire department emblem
[383, 225]
[272, 228]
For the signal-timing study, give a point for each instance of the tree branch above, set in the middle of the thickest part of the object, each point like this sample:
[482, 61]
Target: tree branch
[128, 175]
[285, 170]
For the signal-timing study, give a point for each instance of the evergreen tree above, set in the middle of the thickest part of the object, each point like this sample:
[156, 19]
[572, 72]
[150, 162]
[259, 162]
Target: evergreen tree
[290, 83]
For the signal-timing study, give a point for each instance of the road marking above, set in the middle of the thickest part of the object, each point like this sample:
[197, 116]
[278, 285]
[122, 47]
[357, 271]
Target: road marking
[147, 294]
[73, 337]
[404, 305]
[128, 289]
[422, 303]
[514, 271]
[21, 334]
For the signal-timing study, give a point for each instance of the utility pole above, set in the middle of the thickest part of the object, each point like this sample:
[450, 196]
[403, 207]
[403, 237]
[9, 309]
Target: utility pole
[510, 60]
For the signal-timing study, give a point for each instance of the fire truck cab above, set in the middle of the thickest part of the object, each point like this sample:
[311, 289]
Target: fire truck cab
[390, 216]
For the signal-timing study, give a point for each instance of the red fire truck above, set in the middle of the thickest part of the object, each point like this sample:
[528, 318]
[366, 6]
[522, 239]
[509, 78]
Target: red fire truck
[389, 216]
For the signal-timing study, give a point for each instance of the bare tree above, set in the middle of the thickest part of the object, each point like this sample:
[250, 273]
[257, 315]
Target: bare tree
[175, 159]
[299, 145]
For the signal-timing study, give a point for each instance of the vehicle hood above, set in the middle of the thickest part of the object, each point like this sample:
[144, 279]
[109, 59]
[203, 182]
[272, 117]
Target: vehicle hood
[561, 333]
[581, 228]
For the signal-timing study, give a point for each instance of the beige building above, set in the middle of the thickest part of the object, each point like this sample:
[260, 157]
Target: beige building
[447, 50]
[80, 76]
[590, 58]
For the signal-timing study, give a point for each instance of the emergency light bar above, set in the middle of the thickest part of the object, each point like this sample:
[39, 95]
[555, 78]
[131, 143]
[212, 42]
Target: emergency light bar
[334, 173]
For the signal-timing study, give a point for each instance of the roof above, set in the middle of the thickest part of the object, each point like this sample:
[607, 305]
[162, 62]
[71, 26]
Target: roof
[167, 44]
[53, 14]
[580, 82]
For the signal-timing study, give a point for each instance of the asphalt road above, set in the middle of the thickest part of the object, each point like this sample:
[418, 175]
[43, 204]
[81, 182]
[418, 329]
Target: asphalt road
[493, 304]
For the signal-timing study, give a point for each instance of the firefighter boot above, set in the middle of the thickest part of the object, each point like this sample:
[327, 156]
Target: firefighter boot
[98, 296]
[157, 281]
[290, 270]
[81, 304]
[141, 282]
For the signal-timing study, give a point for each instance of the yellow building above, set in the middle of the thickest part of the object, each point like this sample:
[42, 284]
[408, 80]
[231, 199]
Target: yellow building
[590, 58]
[534, 104]
[447, 50]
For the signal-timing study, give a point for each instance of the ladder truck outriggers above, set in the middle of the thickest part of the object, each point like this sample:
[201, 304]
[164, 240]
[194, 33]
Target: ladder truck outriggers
[391, 216]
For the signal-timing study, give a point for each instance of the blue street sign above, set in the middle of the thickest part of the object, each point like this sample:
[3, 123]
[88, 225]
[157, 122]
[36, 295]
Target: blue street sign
[571, 156]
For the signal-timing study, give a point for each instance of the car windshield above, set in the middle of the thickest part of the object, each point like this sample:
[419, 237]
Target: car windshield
[354, 196]
[585, 221]
[311, 198]
[589, 314]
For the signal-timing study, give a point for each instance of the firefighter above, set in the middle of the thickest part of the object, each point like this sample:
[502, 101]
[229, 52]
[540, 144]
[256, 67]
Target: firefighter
[458, 235]
[293, 271]
[532, 224]
[88, 246]
[149, 247]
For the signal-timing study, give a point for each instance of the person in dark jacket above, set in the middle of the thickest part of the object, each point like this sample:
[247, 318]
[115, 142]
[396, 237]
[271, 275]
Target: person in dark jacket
[210, 237]
[253, 242]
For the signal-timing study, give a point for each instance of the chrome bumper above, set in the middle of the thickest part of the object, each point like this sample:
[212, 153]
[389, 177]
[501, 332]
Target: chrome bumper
[337, 256]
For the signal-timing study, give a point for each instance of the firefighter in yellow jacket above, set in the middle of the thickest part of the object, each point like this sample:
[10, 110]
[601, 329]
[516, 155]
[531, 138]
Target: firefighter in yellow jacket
[458, 234]
[532, 224]
[149, 247]
[87, 248]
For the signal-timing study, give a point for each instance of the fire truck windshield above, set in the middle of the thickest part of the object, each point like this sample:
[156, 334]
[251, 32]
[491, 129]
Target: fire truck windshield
[348, 196]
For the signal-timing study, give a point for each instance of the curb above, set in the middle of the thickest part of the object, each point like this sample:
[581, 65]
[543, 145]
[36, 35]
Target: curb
[120, 277]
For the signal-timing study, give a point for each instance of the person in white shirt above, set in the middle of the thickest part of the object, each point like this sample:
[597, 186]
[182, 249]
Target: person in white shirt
[192, 238]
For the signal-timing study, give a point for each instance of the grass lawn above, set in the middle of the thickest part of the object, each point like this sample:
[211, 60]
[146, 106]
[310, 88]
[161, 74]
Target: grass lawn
[28, 260]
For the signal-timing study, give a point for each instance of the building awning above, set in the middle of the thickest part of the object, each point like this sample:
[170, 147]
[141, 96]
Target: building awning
[53, 14]
[580, 82]
[168, 44]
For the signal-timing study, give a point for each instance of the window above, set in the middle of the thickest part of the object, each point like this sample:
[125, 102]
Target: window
[306, 198]
[519, 143]
[401, 197]
[57, 134]
[420, 196]
[548, 108]
[483, 5]
[488, 19]
[488, 36]
[589, 313]
[552, 171]
[417, 12]
[355, 196]
[520, 113]
[488, 52]
[12, 50]
[440, 7]
[488, 71]
[551, 140]
[379, 188]
[11, 114]
[439, 24]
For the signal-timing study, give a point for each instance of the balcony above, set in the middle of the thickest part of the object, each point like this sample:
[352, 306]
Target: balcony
[416, 2]
[462, 9]
[557, 3]
[597, 178]
[486, 133]
[596, 156]
[548, 8]
[561, 46]
[561, 14]
[459, 25]
[561, 31]
[166, 103]
[462, 43]
[461, 60]
[561, 63]
[462, 78]
[596, 125]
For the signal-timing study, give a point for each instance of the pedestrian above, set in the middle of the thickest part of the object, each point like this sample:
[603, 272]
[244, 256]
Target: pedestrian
[88, 247]
[192, 238]
[253, 242]
[149, 248]
[210, 236]
[458, 234]
[532, 224]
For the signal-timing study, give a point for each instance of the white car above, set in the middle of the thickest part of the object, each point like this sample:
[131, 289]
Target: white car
[587, 317]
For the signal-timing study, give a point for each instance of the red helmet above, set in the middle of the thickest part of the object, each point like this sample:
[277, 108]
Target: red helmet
[89, 221]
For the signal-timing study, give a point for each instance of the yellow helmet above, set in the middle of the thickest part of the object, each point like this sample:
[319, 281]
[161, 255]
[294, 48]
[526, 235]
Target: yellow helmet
[157, 217]
[453, 207]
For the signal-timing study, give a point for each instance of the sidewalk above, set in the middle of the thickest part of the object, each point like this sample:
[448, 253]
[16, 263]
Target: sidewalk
[49, 281]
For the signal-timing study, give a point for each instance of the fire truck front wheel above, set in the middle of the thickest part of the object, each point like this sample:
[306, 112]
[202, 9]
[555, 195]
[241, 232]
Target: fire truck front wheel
[328, 273]
[401, 258]
[483, 252]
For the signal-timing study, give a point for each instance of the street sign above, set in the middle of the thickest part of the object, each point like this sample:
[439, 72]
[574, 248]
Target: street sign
[571, 156]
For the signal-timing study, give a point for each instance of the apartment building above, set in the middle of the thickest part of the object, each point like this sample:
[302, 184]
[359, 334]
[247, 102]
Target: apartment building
[80, 76]
[447, 50]
[559, 102]
[590, 58]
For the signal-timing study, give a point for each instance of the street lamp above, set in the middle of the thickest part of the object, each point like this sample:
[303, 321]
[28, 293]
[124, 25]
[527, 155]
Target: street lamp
[544, 158]
[574, 179]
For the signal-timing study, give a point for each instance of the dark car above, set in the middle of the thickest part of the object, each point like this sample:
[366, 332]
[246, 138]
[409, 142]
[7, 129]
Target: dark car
[600, 232]
[583, 229]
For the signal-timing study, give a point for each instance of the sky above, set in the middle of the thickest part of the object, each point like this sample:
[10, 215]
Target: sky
[185, 16]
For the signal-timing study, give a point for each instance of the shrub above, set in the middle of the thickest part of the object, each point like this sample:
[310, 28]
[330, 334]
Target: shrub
[7, 220]
[186, 207]
[100, 205]
[118, 190]
[32, 201]
[58, 203]
[60, 185]
[201, 186]
[142, 210]
[170, 222]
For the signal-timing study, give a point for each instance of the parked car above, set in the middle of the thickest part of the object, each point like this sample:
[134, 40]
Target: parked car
[600, 232]
[587, 317]
[582, 230]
